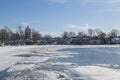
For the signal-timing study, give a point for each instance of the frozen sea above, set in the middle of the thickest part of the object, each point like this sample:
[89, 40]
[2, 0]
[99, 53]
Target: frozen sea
[92, 56]
[57, 62]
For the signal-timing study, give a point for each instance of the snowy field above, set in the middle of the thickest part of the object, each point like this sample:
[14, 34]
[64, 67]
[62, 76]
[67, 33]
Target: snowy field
[60, 62]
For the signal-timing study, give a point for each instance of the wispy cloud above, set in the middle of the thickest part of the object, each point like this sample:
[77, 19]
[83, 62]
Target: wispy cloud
[103, 1]
[53, 34]
[104, 5]
[88, 1]
[110, 9]
[28, 23]
[25, 23]
[78, 27]
[109, 5]
[58, 1]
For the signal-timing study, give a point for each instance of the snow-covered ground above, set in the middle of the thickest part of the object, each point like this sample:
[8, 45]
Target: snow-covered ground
[99, 73]
[60, 62]
[7, 55]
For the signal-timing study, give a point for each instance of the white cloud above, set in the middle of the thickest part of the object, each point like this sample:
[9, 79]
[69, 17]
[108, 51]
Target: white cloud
[84, 28]
[106, 5]
[72, 26]
[29, 23]
[88, 1]
[25, 23]
[13, 30]
[58, 1]
[103, 1]
[113, 9]
[53, 34]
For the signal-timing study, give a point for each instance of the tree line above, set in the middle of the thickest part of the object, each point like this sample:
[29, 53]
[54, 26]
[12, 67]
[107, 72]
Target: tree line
[92, 33]
[9, 35]
[95, 34]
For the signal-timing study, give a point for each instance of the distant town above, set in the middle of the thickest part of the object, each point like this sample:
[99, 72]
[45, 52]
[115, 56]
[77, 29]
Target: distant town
[32, 37]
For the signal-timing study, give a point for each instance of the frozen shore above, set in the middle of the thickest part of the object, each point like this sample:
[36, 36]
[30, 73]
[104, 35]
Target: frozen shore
[32, 63]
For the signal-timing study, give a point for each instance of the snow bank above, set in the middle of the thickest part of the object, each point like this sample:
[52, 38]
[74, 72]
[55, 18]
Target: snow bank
[31, 63]
[33, 60]
[7, 53]
[99, 73]
[21, 67]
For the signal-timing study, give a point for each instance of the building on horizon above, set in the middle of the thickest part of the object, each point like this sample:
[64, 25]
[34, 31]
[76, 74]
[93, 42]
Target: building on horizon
[28, 33]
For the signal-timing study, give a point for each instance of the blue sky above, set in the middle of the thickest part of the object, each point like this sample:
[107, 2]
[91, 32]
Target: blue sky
[57, 16]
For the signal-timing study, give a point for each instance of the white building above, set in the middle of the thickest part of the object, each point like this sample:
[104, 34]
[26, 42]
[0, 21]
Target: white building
[95, 41]
[116, 40]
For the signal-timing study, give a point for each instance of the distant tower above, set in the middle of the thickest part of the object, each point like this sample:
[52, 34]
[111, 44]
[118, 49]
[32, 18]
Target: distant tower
[28, 33]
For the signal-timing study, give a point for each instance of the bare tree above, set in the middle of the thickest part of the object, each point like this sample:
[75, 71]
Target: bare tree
[72, 34]
[21, 32]
[4, 35]
[114, 33]
[90, 32]
[48, 38]
[36, 36]
[80, 34]
[102, 37]
[97, 32]
[15, 36]
[66, 35]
